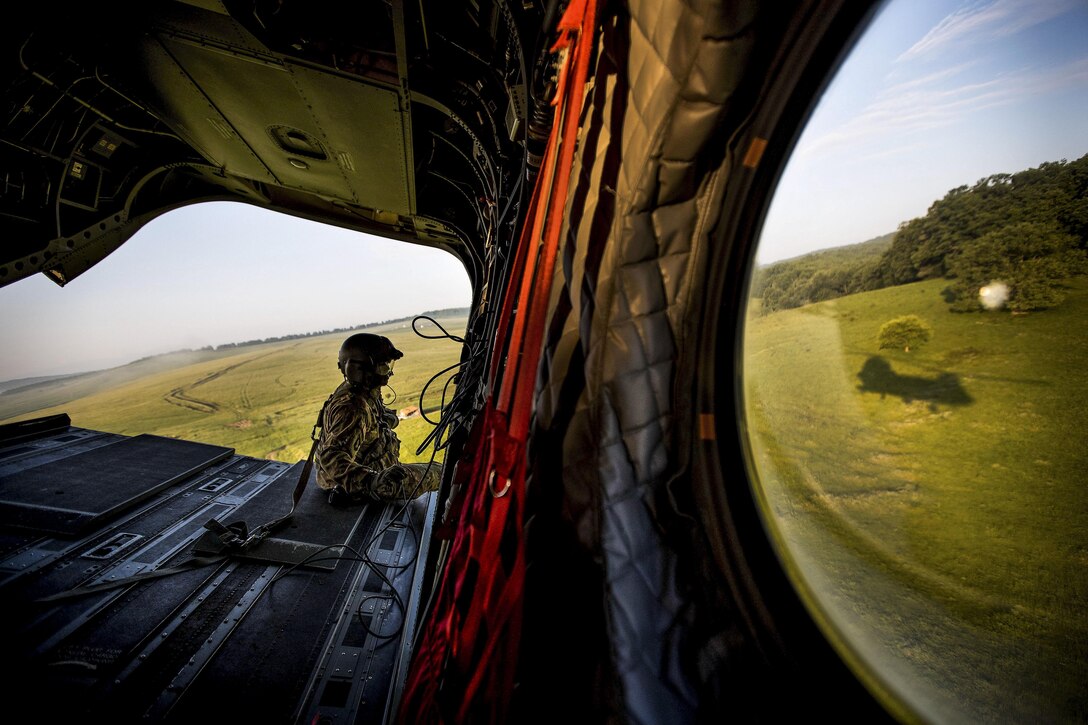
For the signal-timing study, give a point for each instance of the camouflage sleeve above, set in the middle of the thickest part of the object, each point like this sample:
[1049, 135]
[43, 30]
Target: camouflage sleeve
[343, 432]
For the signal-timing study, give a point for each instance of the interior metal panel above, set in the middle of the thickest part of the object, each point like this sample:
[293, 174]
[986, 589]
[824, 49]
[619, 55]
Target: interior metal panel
[197, 119]
[365, 151]
[71, 494]
[368, 132]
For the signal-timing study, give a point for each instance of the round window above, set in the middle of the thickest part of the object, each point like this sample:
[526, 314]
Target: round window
[914, 355]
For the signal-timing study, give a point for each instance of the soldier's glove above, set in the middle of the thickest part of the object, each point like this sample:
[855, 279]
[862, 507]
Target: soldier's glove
[340, 498]
[391, 482]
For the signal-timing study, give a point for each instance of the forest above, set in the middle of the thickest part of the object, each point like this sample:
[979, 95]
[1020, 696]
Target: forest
[1024, 233]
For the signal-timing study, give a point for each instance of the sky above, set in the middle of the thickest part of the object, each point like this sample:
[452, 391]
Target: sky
[936, 94]
[215, 273]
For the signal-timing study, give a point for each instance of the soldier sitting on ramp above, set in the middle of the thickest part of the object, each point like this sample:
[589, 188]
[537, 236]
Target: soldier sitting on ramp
[358, 453]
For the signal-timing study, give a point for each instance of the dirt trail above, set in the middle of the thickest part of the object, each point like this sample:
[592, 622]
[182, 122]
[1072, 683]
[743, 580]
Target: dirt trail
[180, 396]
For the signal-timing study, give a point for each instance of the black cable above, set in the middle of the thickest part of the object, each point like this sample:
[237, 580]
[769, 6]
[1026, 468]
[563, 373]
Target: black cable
[422, 411]
[392, 594]
[442, 424]
[513, 192]
[488, 185]
[434, 377]
[443, 336]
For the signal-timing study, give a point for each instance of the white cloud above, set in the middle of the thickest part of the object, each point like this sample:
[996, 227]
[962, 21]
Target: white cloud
[987, 21]
[929, 103]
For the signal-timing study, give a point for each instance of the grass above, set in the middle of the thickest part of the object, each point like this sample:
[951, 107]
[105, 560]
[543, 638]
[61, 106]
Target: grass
[261, 400]
[933, 502]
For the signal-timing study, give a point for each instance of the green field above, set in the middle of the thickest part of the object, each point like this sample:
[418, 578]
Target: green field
[262, 400]
[933, 502]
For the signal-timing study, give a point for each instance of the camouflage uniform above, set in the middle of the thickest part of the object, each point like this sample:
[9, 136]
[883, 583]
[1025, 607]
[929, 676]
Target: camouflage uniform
[357, 449]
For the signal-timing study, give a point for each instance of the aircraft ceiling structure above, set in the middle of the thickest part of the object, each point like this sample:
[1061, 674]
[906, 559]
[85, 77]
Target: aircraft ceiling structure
[406, 120]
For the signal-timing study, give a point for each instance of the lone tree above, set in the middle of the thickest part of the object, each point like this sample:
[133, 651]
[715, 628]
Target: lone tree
[904, 332]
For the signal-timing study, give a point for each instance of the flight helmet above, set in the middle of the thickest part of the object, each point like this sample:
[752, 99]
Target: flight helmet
[367, 360]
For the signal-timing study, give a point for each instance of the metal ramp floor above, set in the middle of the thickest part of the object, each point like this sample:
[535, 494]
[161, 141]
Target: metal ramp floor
[118, 607]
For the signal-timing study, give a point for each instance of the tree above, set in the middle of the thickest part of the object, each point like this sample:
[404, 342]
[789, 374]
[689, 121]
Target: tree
[904, 332]
[1032, 258]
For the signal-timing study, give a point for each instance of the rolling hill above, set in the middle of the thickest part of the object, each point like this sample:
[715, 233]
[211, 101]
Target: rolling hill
[260, 399]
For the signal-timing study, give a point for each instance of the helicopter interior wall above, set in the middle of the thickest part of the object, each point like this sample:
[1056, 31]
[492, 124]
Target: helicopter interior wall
[612, 393]
[617, 422]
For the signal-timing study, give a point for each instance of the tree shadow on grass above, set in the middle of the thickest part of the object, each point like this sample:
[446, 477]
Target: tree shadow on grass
[877, 376]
